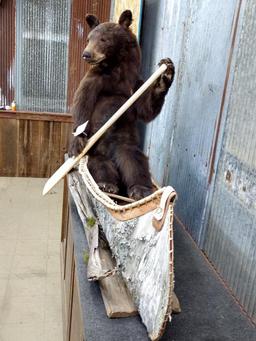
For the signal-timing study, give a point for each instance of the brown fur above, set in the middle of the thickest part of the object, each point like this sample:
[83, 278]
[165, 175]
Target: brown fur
[116, 160]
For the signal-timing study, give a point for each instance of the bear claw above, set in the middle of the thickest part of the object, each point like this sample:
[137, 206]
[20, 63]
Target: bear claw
[166, 78]
[108, 187]
[138, 192]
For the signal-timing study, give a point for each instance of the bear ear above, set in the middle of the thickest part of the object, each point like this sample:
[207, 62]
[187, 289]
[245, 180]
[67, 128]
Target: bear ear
[92, 21]
[125, 19]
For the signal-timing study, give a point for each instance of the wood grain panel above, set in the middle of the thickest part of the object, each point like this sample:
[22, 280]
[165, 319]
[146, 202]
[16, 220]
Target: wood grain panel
[22, 128]
[54, 141]
[8, 137]
[76, 328]
[44, 146]
[32, 148]
[36, 116]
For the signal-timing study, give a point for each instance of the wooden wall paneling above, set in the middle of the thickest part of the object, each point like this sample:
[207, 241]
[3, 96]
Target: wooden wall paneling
[44, 158]
[64, 312]
[63, 256]
[36, 116]
[76, 327]
[65, 137]
[8, 147]
[64, 223]
[60, 134]
[54, 146]
[69, 279]
[54, 143]
[27, 148]
[22, 148]
[32, 148]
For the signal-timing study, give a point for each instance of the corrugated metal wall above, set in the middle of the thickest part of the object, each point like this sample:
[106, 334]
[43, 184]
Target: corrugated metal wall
[208, 122]
[189, 32]
[230, 237]
[7, 57]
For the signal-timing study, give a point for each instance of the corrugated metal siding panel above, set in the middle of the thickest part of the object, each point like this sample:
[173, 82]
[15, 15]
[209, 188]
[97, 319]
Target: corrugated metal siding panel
[7, 43]
[230, 240]
[78, 33]
[162, 27]
[190, 33]
[42, 36]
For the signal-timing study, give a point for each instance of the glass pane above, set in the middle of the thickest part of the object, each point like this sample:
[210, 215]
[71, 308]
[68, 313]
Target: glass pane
[42, 33]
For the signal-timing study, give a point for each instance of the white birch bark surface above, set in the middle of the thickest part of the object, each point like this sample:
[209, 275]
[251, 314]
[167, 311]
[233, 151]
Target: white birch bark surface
[144, 257]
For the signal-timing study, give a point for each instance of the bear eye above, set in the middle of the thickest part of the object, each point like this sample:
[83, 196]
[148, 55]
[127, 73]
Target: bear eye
[103, 40]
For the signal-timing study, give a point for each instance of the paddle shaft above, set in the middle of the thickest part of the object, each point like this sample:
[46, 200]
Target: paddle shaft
[71, 162]
[121, 111]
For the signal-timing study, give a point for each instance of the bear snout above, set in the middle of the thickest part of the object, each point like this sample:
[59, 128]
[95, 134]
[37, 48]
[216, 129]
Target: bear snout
[86, 55]
[93, 57]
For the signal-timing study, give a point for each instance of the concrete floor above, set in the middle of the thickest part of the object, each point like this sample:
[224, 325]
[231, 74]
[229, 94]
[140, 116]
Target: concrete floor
[30, 291]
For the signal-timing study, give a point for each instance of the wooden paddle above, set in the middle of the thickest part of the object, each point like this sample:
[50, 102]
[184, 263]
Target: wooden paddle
[71, 162]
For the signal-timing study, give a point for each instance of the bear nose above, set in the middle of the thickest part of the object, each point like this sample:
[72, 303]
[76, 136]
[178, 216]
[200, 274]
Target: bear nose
[86, 55]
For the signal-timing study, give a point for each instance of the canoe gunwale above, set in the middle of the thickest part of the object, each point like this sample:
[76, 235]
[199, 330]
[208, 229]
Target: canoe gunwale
[127, 211]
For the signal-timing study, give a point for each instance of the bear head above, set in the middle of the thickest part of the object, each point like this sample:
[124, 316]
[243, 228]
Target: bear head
[109, 43]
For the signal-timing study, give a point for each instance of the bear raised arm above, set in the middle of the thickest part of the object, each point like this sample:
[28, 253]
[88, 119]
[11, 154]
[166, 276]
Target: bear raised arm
[113, 52]
[150, 103]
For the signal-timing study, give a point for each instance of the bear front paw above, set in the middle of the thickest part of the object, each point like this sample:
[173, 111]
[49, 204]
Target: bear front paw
[77, 146]
[138, 192]
[108, 187]
[167, 77]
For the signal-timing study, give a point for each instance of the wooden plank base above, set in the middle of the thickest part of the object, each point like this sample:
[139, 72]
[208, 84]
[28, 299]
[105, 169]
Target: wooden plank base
[117, 299]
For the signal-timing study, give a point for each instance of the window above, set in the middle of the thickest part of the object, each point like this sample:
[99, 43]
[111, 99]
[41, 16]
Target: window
[42, 34]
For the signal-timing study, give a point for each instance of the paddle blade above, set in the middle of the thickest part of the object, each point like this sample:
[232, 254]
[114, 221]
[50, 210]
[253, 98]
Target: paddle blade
[80, 129]
[60, 173]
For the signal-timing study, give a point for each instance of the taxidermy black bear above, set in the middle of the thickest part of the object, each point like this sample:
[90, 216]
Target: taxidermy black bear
[116, 161]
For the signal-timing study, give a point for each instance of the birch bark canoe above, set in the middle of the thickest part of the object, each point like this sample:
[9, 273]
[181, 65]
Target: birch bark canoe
[142, 249]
